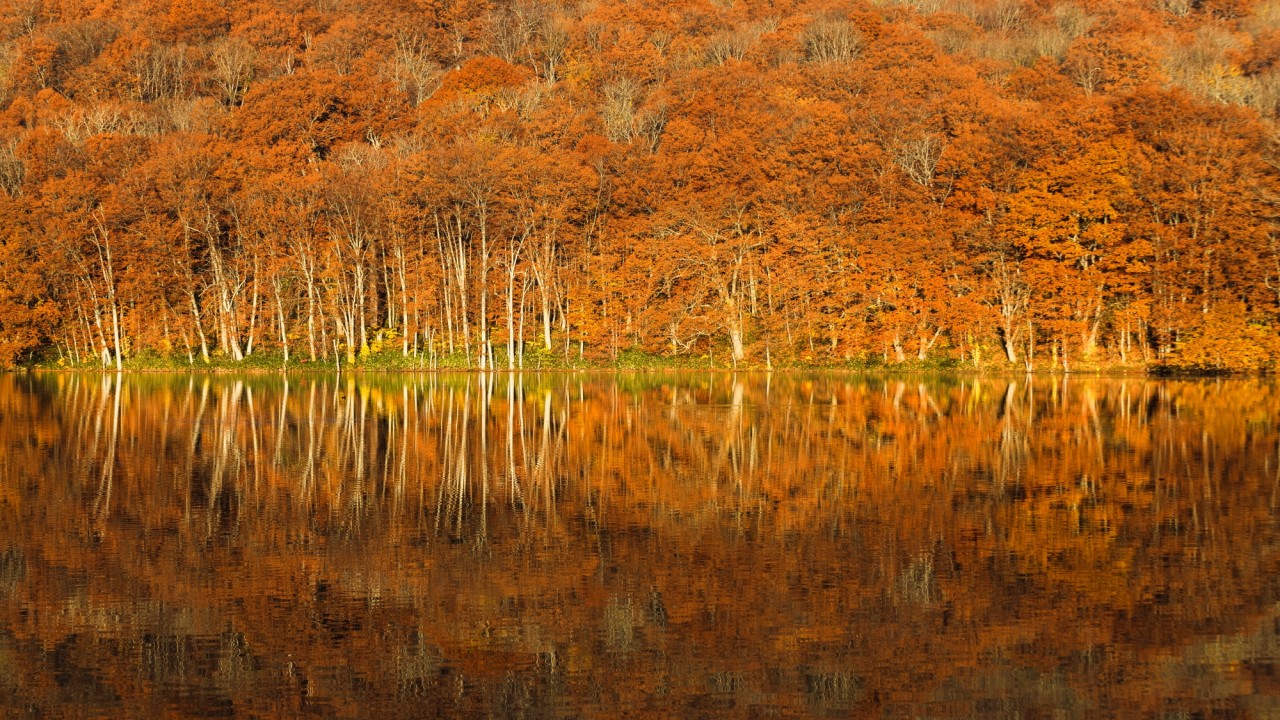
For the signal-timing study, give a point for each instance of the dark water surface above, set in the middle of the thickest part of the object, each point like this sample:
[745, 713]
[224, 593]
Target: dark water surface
[660, 545]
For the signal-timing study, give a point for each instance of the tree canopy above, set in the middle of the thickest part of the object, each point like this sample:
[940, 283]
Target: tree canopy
[1042, 183]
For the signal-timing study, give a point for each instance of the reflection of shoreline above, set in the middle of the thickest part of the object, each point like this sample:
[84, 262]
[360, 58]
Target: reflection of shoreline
[829, 514]
[608, 370]
[506, 415]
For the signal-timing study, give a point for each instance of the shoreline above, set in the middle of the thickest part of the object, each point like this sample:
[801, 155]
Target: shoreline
[1118, 373]
[386, 363]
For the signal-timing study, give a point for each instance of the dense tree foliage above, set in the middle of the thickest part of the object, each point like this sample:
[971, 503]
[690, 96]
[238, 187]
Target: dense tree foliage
[1042, 183]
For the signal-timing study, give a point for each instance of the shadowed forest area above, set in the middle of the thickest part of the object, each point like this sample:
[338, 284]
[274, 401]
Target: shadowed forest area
[703, 545]
[1046, 184]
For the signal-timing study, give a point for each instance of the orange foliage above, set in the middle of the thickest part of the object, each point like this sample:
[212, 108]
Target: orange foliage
[1045, 185]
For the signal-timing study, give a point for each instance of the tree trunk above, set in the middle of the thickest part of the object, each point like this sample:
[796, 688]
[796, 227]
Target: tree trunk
[115, 329]
[102, 240]
[926, 345]
[511, 321]
[311, 319]
[253, 312]
[284, 336]
[195, 314]
[546, 319]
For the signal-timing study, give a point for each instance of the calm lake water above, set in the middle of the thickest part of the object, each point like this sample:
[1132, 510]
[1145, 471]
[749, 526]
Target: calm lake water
[640, 545]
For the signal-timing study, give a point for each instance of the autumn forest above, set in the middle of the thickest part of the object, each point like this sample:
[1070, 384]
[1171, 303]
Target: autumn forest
[1038, 184]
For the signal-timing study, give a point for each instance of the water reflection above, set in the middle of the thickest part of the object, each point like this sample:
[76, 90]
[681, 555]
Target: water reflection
[520, 545]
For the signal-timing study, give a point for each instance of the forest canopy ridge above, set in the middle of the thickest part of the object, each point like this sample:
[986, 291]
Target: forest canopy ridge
[1040, 184]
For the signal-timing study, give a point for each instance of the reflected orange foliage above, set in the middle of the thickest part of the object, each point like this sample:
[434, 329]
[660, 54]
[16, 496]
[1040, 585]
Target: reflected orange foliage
[666, 543]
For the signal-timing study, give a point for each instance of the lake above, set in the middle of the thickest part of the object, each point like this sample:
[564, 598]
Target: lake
[651, 545]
